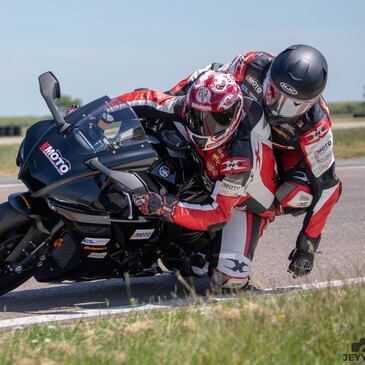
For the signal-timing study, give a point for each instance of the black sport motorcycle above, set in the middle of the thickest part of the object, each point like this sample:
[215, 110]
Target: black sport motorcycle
[76, 221]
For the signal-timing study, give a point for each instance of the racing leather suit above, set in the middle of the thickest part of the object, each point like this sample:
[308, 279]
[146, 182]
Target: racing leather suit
[243, 175]
[303, 149]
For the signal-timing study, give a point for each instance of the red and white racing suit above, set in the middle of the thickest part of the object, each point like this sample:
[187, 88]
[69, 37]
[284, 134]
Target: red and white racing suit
[243, 175]
[303, 149]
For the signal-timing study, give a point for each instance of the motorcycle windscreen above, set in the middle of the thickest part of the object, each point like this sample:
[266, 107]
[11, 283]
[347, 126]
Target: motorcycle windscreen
[110, 127]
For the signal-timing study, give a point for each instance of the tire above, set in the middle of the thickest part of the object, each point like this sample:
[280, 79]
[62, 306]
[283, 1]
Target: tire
[13, 227]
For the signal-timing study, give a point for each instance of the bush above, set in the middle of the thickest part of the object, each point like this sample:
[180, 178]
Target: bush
[348, 107]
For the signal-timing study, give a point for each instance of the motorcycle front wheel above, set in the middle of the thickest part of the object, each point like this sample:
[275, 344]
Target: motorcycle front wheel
[13, 227]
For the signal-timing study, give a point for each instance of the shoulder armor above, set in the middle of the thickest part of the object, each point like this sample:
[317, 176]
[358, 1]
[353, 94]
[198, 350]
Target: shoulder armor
[262, 61]
[316, 114]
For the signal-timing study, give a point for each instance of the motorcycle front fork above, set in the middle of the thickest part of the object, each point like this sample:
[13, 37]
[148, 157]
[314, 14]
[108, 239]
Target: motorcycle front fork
[33, 246]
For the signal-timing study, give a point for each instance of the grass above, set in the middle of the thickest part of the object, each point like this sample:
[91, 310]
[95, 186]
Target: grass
[315, 327]
[349, 143]
[7, 159]
[347, 107]
[25, 121]
[346, 118]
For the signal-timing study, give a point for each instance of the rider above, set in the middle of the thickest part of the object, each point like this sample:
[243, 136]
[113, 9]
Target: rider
[289, 87]
[231, 135]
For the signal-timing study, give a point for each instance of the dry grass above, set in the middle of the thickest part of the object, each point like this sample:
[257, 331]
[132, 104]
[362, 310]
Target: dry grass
[315, 327]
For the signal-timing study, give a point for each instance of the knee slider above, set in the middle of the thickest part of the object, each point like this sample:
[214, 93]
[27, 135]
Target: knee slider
[232, 272]
[293, 195]
[227, 282]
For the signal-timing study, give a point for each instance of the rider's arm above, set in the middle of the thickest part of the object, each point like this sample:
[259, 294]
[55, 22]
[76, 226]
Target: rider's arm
[316, 147]
[214, 213]
[183, 86]
[239, 64]
[153, 105]
[237, 68]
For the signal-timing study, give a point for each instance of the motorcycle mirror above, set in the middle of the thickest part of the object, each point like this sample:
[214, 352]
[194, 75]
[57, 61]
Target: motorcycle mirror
[49, 85]
[50, 90]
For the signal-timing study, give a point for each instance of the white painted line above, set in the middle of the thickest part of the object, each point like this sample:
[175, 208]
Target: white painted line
[11, 185]
[94, 313]
[333, 283]
[355, 167]
[350, 167]
[47, 318]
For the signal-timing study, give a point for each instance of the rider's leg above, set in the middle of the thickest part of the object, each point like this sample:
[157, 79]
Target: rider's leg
[294, 193]
[233, 249]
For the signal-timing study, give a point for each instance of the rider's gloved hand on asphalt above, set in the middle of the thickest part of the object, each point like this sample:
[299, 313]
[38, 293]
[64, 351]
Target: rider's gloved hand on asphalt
[302, 257]
[155, 204]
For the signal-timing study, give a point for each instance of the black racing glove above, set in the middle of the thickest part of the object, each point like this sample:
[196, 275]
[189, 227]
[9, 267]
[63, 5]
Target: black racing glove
[302, 257]
[155, 204]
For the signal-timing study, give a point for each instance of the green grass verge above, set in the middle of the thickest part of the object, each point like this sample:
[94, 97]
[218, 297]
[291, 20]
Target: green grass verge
[349, 143]
[25, 121]
[7, 159]
[345, 118]
[316, 327]
[347, 107]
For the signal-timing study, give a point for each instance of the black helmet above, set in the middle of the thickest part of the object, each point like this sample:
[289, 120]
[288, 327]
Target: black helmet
[294, 82]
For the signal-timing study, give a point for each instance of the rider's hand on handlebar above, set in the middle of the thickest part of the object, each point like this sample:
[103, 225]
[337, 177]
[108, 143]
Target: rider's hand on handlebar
[155, 204]
[149, 204]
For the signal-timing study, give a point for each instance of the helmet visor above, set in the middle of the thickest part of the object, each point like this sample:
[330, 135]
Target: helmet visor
[209, 128]
[281, 104]
[210, 123]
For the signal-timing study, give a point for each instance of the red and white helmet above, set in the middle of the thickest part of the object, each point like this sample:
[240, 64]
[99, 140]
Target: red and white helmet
[214, 107]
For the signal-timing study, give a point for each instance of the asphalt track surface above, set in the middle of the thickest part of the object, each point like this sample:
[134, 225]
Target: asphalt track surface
[342, 256]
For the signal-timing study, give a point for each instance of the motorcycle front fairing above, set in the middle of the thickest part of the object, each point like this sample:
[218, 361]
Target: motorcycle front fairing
[68, 163]
[54, 164]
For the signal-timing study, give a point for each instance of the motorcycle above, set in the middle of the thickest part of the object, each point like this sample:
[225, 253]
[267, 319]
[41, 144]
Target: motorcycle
[77, 221]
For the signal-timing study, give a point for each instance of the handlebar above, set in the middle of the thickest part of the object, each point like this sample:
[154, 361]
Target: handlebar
[128, 182]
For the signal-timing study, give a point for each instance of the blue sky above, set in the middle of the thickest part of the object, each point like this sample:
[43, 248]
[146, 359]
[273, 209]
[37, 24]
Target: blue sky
[100, 48]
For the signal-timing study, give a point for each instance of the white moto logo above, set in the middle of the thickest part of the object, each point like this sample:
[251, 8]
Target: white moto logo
[142, 234]
[55, 157]
[289, 89]
[255, 84]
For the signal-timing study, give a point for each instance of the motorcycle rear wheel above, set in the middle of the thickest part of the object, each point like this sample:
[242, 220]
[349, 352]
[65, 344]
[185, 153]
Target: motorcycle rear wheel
[13, 227]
